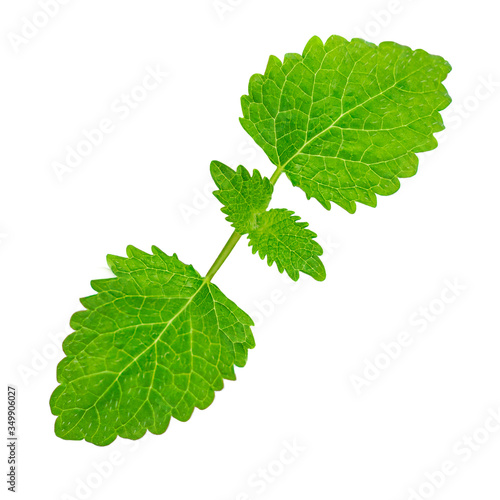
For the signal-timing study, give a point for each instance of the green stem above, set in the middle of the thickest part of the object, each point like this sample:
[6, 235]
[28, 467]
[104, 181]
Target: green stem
[228, 247]
[235, 237]
[274, 178]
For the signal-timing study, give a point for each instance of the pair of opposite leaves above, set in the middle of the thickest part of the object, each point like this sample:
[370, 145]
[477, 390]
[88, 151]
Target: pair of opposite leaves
[343, 121]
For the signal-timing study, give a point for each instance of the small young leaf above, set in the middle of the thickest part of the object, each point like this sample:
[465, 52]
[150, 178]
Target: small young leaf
[284, 240]
[243, 196]
[345, 119]
[154, 343]
[273, 233]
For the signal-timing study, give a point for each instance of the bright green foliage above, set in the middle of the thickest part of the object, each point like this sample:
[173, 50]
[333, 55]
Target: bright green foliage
[154, 343]
[243, 196]
[345, 119]
[273, 233]
[284, 240]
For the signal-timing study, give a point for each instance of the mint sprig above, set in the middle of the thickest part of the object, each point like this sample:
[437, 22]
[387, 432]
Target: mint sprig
[343, 121]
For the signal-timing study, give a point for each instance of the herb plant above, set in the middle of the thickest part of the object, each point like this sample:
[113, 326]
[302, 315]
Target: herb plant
[343, 121]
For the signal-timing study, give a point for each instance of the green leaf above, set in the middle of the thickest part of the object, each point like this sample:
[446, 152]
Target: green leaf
[154, 343]
[243, 196]
[275, 233]
[284, 240]
[345, 119]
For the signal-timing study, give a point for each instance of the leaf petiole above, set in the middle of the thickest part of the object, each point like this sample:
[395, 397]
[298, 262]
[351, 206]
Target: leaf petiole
[224, 254]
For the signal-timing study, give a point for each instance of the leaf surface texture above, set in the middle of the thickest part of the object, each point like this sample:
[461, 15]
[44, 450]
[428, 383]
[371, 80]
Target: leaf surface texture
[243, 196]
[281, 238]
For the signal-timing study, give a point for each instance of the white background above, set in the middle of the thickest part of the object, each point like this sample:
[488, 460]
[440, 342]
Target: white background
[144, 185]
